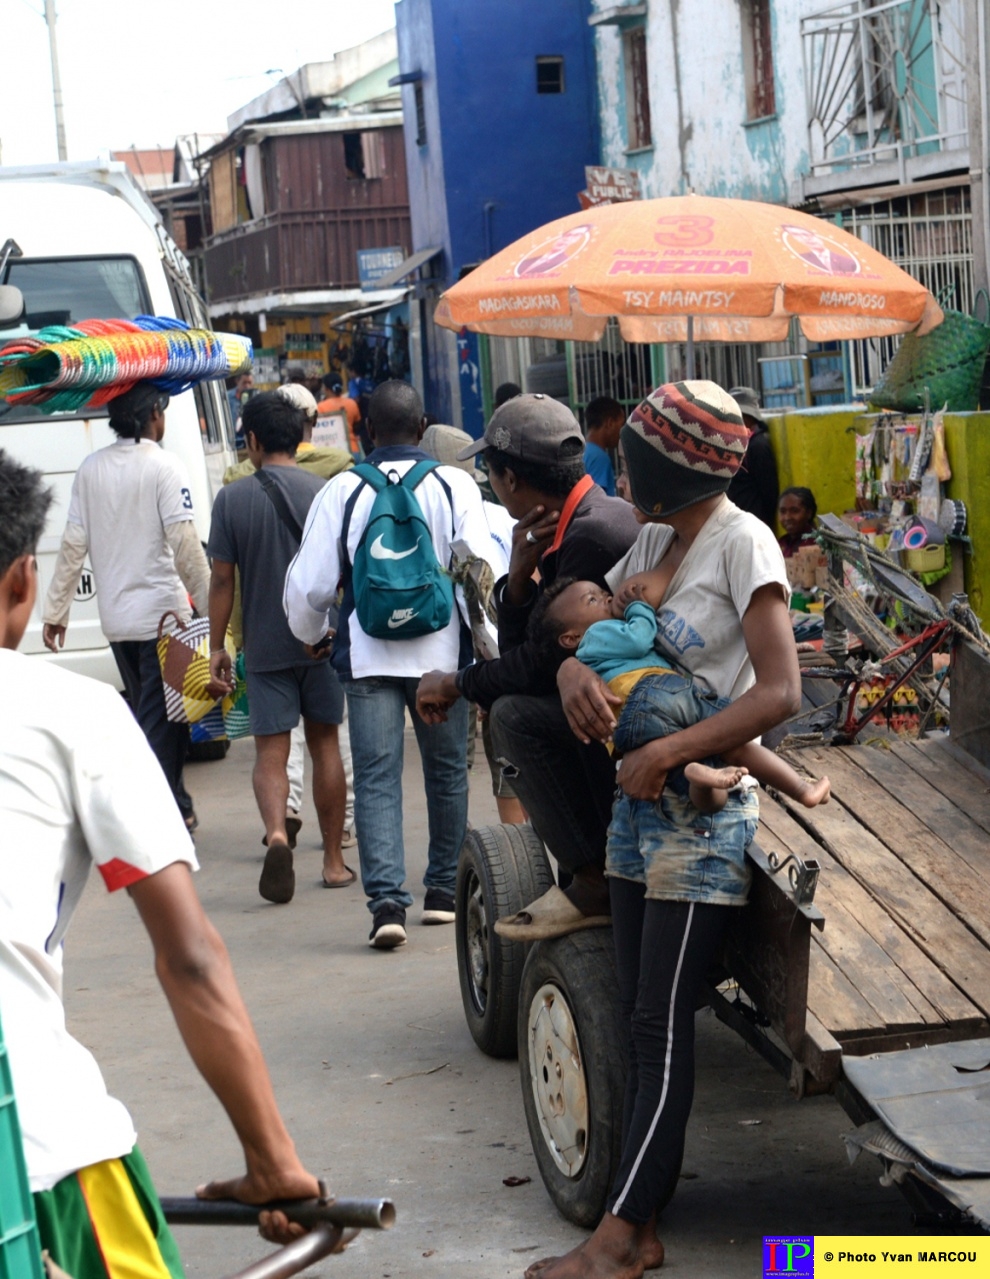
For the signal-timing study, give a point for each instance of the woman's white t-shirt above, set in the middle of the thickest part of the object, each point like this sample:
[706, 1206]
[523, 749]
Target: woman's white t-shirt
[699, 619]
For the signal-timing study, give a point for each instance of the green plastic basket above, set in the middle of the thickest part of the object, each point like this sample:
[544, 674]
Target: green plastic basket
[20, 1244]
[947, 363]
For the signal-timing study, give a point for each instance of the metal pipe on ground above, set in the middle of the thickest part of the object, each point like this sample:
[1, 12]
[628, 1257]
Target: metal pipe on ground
[296, 1256]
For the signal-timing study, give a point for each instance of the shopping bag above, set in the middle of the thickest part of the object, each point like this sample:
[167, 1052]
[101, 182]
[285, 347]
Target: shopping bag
[184, 656]
[236, 720]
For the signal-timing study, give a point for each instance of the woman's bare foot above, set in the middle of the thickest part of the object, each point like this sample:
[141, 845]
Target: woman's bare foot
[709, 788]
[816, 793]
[617, 1250]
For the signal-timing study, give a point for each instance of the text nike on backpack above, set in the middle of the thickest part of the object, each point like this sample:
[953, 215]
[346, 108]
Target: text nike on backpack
[401, 591]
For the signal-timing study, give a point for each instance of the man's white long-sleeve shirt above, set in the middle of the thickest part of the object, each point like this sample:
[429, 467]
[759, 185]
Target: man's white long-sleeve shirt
[314, 575]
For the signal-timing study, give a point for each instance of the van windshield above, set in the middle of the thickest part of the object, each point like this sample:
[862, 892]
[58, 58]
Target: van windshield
[65, 290]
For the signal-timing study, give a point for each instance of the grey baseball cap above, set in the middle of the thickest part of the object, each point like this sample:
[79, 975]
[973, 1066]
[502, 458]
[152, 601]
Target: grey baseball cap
[529, 427]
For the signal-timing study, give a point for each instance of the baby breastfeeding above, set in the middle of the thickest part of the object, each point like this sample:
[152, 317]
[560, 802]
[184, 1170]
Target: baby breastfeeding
[615, 635]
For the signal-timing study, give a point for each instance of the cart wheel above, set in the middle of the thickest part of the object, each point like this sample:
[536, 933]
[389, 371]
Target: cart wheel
[501, 870]
[572, 1065]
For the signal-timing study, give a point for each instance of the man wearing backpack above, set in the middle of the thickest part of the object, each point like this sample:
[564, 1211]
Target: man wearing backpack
[388, 544]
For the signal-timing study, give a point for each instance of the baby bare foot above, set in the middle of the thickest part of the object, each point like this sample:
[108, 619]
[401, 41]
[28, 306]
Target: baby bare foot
[714, 778]
[815, 793]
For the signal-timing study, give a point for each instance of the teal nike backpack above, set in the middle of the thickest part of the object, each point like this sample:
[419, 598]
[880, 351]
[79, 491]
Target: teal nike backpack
[401, 590]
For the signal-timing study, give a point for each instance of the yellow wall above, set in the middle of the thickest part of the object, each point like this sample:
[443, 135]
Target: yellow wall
[816, 448]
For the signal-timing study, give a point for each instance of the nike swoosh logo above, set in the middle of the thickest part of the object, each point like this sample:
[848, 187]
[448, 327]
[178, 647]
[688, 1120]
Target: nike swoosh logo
[394, 625]
[379, 551]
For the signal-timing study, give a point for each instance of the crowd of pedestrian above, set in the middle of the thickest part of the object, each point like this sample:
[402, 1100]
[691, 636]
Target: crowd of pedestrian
[616, 616]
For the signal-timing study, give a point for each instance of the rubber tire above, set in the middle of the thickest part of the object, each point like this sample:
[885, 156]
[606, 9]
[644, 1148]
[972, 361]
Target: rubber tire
[204, 752]
[582, 967]
[510, 866]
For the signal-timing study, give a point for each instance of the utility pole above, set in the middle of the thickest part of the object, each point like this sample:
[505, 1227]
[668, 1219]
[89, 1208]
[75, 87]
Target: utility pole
[976, 34]
[56, 81]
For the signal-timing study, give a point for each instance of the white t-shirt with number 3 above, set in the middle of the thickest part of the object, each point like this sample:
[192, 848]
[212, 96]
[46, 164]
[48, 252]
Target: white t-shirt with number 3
[124, 496]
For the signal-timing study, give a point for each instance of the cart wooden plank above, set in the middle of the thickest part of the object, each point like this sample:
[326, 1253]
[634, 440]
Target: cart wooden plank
[924, 811]
[834, 1000]
[906, 897]
[861, 776]
[962, 785]
[905, 965]
[895, 1001]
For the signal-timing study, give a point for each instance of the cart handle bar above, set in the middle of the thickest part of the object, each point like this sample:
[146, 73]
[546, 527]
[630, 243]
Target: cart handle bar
[362, 1214]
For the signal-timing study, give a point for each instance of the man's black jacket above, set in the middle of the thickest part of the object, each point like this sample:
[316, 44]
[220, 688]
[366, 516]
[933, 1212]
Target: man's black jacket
[755, 487]
[600, 532]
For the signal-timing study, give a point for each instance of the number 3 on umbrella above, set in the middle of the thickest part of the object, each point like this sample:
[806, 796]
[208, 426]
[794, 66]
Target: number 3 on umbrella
[684, 232]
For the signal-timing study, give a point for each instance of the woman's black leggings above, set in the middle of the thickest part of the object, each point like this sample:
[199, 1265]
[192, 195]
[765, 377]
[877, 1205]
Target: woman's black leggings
[663, 950]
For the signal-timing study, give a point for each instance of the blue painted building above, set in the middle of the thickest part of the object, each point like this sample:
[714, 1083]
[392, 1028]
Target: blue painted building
[501, 117]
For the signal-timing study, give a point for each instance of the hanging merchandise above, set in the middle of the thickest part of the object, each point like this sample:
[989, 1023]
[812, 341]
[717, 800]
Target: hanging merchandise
[94, 361]
[901, 467]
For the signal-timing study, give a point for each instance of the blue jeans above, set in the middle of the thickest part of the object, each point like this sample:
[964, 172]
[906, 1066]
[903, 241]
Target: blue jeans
[376, 711]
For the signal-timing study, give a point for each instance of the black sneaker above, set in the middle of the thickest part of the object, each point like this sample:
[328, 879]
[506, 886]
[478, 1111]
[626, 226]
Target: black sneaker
[388, 928]
[438, 907]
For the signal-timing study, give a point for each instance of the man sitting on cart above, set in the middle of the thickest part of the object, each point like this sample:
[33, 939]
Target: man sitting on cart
[79, 786]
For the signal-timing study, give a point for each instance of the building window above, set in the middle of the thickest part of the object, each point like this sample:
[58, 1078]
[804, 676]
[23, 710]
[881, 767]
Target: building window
[364, 154]
[639, 130]
[758, 59]
[550, 75]
[353, 155]
[420, 115]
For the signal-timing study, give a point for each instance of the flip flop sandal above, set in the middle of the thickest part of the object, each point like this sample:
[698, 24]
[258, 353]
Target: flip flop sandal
[293, 825]
[344, 883]
[278, 879]
[192, 823]
[552, 915]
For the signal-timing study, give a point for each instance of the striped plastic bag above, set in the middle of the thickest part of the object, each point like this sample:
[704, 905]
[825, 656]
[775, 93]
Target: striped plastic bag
[184, 656]
[236, 720]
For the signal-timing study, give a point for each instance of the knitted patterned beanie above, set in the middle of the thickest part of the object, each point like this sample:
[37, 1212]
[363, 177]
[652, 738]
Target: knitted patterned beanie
[682, 444]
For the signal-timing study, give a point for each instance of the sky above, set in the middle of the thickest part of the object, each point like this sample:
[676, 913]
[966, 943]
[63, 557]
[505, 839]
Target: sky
[139, 72]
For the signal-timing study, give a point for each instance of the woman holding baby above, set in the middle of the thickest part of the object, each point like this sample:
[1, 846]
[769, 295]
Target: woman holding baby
[675, 874]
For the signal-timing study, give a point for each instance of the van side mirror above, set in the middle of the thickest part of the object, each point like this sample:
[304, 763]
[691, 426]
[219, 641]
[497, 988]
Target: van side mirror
[11, 305]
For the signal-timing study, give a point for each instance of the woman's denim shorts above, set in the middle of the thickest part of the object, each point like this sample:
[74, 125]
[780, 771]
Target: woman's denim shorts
[678, 852]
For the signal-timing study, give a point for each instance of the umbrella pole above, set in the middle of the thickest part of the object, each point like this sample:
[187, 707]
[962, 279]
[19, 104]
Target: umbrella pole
[690, 347]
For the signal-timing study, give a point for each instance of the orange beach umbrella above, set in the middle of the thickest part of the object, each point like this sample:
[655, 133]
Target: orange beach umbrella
[687, 268]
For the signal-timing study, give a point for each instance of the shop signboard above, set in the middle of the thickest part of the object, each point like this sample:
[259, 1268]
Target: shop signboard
[330, 432]
[374, 263]
[608, 186]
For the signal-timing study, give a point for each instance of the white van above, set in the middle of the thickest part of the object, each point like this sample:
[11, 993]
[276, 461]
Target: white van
[88, 244]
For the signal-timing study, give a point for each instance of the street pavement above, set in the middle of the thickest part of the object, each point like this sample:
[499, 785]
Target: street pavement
[386, 1095]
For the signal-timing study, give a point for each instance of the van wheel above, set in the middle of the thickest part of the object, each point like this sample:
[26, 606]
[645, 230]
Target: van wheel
[501, 870]
[572, 1067]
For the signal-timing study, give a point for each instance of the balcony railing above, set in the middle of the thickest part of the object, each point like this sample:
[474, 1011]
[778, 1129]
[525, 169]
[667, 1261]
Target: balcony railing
[293, 251]
[885, 80]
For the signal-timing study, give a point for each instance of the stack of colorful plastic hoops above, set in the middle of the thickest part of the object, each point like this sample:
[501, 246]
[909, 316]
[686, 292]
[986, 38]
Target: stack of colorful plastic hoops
[96, 360]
